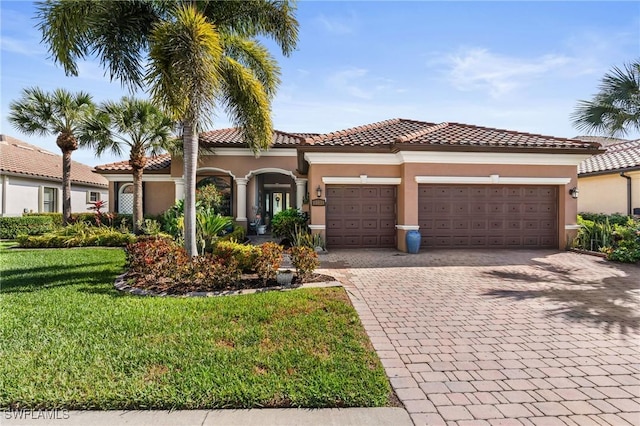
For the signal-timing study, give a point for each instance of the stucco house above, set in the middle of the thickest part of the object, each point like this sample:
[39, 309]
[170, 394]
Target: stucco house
[31, 180]
[610, 182]
[460, 185]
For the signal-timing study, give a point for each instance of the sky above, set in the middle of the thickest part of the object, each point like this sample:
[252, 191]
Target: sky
[512, 65]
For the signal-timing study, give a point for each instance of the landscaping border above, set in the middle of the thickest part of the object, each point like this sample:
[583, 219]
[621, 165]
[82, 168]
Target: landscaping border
[121, 285]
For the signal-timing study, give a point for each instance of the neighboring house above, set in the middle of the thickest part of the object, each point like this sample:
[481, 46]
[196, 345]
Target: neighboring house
[610, 182]
[31, 180]
[459, 185]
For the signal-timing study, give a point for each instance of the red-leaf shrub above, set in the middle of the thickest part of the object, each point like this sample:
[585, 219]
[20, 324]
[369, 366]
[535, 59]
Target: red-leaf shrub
[305, 260]
[160, 264]
[268, 262]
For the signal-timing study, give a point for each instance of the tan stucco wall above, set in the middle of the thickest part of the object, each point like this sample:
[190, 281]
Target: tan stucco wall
[608, 193]
[238, 166]
[407, 209]
[158, 197]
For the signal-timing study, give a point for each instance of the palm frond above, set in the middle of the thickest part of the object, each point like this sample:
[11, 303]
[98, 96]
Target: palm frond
[247, 103]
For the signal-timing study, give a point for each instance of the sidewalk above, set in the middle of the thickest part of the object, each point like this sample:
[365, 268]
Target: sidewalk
[263, 417]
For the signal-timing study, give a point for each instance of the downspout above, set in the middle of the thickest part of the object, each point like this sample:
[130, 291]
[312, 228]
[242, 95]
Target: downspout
[628, 178]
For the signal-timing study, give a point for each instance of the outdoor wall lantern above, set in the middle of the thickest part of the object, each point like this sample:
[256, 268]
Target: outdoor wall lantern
[319, 191]
[574, 192]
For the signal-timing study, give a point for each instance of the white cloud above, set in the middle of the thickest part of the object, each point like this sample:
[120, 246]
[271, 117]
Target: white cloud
[358, 83]
[337, 25]
[22, 47]
[480, 69]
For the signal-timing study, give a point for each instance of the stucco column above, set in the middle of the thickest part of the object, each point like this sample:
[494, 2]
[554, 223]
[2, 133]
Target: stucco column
[301, 186]
[241, 199]
[179, 188]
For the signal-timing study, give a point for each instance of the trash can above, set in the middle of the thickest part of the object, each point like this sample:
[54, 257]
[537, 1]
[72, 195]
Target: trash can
[413, 241]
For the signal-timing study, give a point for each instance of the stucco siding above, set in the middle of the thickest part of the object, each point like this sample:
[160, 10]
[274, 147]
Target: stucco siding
[158, 197]
[602, 194]
[24, 195]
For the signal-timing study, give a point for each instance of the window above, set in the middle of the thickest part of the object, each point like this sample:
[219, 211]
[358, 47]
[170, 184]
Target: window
[93, 196]
[49, 200]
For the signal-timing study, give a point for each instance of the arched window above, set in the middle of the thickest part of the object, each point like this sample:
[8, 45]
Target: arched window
[125, 199]
[224, 186]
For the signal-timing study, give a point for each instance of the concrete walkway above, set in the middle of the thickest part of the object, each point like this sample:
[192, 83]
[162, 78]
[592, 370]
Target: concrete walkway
[265, 417]
[501, 338]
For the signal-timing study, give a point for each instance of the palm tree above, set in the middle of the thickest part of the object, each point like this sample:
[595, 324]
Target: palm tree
[199, 55]
[59, 112]
[134, 124]
[615, 109]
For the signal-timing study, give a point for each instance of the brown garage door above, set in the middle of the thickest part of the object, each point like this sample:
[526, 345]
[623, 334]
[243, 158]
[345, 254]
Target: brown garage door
[361, 216]
[500, 216]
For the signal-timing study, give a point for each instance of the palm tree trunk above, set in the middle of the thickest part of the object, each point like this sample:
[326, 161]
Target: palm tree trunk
[137, 199]
[66, 186]
[190, 142]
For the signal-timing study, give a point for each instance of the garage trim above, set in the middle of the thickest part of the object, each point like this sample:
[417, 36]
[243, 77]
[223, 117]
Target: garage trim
[361, 180]
[493, 179]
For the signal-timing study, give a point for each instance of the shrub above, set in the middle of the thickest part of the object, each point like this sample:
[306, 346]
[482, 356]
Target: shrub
[237, 234]
[613, 219]
[268, 262]
[160, 264]
[285, 223]
[307, 239]
[115, 220]
[209, 225]
[77, 235]
[245, 254]
[305, 260]
[209, 197]
[11, 227]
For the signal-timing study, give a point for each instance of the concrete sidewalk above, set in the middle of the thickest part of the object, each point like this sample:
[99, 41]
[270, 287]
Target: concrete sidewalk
[263, 417]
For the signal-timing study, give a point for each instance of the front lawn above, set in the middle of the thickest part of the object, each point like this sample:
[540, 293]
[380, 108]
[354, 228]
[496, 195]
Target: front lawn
[69, 340]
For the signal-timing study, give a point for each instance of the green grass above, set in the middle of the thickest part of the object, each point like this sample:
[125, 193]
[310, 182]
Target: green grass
[69, 340]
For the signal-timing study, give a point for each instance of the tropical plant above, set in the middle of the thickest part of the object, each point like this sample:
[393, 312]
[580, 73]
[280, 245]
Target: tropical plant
[305, 260]
[54, 113]
[198, 55]
[133, 124]
[209, 225]
[287, 223]
[615, 109]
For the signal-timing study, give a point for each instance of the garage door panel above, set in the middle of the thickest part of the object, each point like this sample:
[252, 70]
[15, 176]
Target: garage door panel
[361, 216]
[489, 216]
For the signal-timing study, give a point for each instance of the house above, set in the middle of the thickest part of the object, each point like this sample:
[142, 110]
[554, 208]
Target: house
[610, 182]
[460, 185]
[31, 180]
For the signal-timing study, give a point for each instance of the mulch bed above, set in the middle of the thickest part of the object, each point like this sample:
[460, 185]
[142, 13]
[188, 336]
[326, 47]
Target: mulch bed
[246, 282]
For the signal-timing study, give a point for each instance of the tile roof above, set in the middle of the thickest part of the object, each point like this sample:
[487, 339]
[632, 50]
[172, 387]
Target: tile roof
[233, 137]
[158, 163]
[602, 140]
[22, 158]
[619, 156]
[397, 133]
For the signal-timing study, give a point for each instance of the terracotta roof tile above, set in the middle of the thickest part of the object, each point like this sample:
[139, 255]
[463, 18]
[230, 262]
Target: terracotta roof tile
[382, 133]
[157, 163]
[19, 157]
[602, 140]
[402, 132]
[618, 157]
[233, 137]
[474, 136]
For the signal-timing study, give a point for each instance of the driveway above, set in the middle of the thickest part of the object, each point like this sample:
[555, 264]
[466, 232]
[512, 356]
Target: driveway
[501, 338]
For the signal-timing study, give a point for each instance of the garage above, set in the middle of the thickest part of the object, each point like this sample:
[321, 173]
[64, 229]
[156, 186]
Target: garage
[361, 216]
[483, 216]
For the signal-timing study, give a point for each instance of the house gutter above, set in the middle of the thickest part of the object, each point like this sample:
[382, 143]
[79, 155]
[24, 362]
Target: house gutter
[628, 178]
[5, 182]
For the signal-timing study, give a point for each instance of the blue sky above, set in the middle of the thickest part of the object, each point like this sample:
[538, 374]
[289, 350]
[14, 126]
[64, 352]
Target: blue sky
[514, 65]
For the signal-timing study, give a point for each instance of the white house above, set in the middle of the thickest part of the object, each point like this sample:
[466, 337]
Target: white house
[31, 180]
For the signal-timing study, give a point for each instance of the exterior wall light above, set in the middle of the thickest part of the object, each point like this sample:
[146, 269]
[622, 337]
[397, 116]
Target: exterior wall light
[574, 192]
[319, 191]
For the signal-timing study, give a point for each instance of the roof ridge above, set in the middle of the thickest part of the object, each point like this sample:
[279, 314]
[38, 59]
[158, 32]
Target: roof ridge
[412, 135]
[311, 140]
[293, 135]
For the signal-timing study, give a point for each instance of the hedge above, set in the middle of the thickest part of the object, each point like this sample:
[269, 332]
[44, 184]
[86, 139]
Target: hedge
[117, 219]
[10, 227]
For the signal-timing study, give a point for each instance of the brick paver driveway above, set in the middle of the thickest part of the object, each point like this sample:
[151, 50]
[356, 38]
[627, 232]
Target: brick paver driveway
[501, 338]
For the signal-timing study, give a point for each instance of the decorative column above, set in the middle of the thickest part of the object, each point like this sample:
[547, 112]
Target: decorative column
[301, 191]
[241, 199]
[179, 188]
